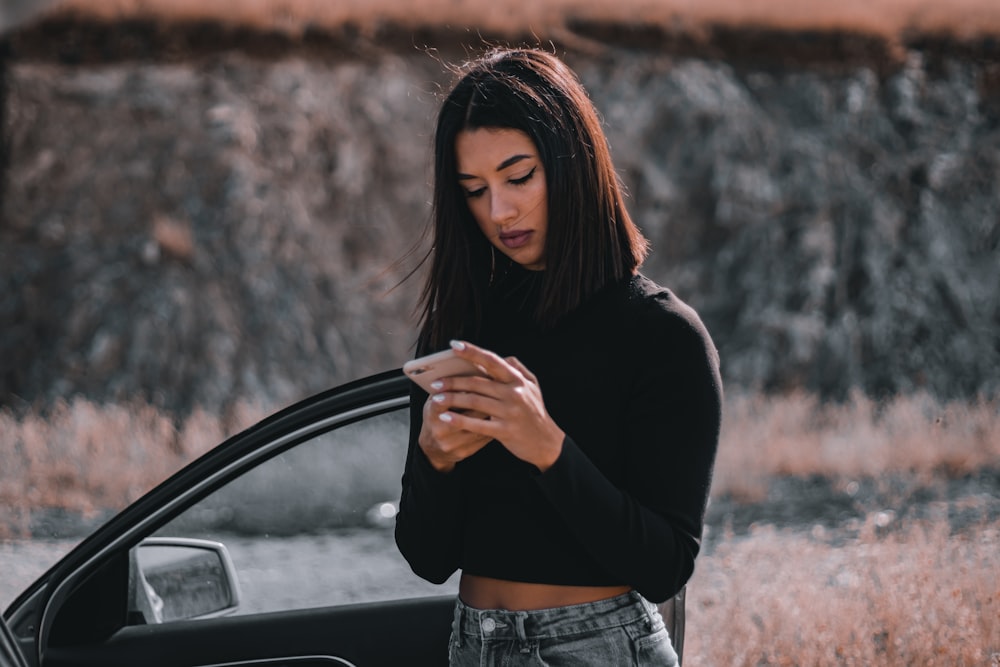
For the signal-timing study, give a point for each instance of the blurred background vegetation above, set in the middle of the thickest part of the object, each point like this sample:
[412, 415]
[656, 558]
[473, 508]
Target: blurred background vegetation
[207, 213]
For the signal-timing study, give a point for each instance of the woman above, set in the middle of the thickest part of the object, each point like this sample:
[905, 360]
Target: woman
[569, 486]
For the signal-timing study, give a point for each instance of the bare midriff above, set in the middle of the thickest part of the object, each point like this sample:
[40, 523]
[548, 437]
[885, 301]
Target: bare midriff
[488, 593]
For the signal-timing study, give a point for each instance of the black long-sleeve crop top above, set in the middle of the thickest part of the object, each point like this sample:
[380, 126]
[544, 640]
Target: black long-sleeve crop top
[632, 378]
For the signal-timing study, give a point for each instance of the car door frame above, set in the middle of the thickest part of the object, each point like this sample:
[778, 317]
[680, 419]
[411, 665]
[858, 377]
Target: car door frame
[32, 614]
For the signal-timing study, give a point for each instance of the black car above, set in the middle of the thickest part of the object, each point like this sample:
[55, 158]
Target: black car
[274, 548]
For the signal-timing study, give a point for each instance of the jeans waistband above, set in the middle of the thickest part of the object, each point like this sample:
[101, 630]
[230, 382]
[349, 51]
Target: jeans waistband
[556, 622]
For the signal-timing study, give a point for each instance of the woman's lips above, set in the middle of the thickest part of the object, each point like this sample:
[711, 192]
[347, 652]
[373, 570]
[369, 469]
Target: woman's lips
[515, 239]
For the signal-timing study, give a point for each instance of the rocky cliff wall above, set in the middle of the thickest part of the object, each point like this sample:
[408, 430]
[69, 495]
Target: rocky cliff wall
[195, 232]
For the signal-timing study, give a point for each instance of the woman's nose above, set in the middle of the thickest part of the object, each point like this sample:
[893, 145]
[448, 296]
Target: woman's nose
[502, 208]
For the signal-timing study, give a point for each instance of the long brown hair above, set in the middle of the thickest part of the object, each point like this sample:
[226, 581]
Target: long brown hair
[591, 240]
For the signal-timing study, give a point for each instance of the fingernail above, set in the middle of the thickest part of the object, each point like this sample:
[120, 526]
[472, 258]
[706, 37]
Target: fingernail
[438, 398]
[436, 385]
[445, 417]
[457, 345]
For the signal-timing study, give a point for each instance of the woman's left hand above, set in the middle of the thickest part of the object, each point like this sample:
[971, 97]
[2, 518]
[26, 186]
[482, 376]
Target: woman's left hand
[506, 406]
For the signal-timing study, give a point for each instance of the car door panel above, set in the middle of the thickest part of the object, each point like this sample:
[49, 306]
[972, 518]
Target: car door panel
[385, 633]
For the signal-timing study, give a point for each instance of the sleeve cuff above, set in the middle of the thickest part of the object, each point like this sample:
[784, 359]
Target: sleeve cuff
[559, 466]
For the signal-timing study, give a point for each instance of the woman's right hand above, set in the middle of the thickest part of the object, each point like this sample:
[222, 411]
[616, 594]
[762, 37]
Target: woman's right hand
[442, 443]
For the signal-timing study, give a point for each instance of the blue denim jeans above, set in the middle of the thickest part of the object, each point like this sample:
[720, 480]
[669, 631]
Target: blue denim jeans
[623, 630]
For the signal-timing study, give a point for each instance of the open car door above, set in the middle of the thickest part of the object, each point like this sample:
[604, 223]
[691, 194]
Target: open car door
[275, 548]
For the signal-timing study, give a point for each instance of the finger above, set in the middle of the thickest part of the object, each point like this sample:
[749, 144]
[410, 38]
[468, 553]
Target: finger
[448, 435]
[452, 447]
[432, 407]
[465, 402]
[441, 430]
[472, 384]
[528, 375]
[495, 367]
[465, 422]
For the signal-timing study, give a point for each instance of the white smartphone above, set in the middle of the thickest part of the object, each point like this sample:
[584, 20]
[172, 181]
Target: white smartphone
[427, 369]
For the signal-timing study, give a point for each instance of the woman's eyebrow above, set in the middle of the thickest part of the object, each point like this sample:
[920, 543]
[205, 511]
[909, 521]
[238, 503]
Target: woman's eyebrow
[513, 159]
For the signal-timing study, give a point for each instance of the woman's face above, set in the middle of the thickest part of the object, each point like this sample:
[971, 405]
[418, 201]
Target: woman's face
[504, 183]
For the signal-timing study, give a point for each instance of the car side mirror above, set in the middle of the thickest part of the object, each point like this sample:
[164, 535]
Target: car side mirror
[173, 579]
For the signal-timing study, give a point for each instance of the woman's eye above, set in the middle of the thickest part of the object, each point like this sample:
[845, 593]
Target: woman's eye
[524, 179]
[472, 194]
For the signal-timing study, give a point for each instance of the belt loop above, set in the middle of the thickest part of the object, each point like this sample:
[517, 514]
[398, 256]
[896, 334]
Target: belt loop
[456, 623]
[519, 625]
[647, 607]
[652, 613]
[522, 636]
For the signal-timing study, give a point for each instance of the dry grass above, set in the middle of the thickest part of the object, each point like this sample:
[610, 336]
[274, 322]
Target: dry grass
[916, 597]
[891, 19]
[797, 434]
[913, 594]
[85, 458]
[916, 594]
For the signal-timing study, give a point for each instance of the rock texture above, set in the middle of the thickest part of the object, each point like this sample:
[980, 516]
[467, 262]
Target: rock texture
[227, 227]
